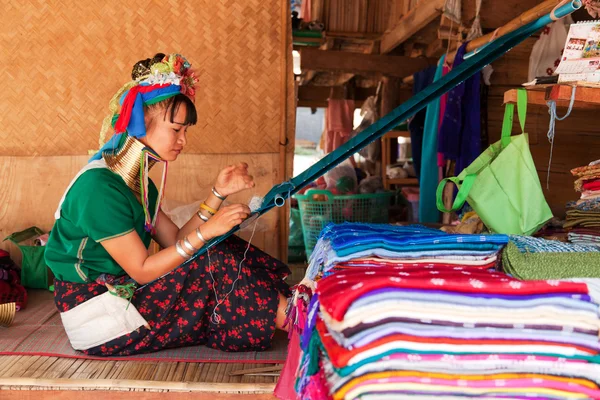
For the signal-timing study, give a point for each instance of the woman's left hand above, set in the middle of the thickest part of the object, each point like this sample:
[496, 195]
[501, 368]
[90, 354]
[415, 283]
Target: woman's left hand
[234, 179]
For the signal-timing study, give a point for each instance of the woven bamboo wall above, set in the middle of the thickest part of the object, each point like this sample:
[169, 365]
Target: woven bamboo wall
[63, 60]
[60, 75]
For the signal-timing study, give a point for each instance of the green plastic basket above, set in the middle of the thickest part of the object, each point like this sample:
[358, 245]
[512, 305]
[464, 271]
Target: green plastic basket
[315, 215]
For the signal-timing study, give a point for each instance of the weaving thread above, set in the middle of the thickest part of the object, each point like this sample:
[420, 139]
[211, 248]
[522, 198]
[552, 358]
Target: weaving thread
[215, 317]
[551, 132]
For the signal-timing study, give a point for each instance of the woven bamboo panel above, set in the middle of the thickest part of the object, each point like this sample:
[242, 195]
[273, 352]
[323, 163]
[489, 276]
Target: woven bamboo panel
[62, 60]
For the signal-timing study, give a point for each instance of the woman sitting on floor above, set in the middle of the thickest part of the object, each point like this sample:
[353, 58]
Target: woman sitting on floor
[115, 298]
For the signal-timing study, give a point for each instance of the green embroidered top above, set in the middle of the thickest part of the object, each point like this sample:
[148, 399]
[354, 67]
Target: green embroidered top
[99, 206]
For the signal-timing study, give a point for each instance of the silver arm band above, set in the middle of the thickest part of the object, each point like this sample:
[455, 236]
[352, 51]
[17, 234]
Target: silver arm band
[219, 196]
[188, 245]
[200, 235]
[182, 252]
[202, 216]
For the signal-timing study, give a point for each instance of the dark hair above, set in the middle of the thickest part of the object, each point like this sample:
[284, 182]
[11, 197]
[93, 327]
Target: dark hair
[142, 67]
[172, 104]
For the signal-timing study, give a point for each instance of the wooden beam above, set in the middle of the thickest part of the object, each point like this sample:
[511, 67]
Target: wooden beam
[316, 96]
[353, 35]
[338, 61]
[411, 23]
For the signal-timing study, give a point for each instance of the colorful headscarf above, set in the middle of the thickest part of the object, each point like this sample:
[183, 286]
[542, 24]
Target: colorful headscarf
[165, 79]
[161, 81]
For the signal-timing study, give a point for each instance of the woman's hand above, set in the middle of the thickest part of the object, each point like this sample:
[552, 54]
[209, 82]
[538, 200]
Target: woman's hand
[224, 220]
[234, 179]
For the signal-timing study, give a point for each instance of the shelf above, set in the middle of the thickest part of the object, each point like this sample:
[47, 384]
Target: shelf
[585, 97]
[405, 182]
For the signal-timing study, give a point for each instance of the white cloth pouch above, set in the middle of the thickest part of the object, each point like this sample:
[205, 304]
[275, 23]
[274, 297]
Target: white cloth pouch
[100, 320]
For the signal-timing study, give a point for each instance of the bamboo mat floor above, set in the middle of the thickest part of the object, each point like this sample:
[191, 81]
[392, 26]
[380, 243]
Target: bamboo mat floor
[39, 377]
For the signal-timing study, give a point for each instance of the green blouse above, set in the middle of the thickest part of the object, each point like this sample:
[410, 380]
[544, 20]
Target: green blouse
[99, 206]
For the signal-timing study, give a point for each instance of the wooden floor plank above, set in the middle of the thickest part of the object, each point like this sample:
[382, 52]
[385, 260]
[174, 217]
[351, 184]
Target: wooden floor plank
[162, 371]
[83, 371]
[46, 364]
[20, 367]
[6, 363]
[59, 368]
[190, 372]
[105, 369]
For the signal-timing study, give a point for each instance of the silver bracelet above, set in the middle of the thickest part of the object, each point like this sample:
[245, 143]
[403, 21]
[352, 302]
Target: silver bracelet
[219, 196]
[188, 245]
[181, 251]
[202, 216]
[200, 235]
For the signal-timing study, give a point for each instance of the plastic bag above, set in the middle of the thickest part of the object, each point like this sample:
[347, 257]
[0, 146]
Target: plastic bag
[342, 179]
[35, 274]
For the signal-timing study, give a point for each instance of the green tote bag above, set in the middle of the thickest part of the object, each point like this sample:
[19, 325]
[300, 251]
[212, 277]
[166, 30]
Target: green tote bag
[502, 184]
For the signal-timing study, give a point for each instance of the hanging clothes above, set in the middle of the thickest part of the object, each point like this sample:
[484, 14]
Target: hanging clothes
[428, 211]
[339, 123]
[306, 10]
[547, 51]
[443, 100]
[460, 133]
[416, 124]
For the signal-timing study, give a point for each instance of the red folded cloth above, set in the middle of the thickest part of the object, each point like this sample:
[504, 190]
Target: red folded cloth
[592, 186]
[338, 291]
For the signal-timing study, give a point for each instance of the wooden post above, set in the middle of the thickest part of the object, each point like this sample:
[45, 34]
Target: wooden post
[389, 101]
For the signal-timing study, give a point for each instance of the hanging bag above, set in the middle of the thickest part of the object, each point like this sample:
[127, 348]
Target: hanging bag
[502, 184]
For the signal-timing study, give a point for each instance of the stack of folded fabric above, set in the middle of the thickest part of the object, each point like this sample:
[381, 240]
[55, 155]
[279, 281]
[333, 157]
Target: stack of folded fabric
[583, 216]
[410, 312]
[353, 245]
[385, 333]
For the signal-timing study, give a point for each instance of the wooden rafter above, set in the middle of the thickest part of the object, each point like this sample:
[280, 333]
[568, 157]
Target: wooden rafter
[338, 61]
[415, 20]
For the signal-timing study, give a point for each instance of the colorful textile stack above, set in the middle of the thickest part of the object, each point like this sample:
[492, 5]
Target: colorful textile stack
[356, 245]
[583, 216]
[389, 333]
[410, 312]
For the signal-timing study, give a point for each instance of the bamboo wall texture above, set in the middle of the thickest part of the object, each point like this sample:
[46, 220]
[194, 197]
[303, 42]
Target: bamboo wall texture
[577, 139]
[63, 60]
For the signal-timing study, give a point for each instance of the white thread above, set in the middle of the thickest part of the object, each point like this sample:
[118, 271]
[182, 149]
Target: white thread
[255, 203]
[215, 317]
